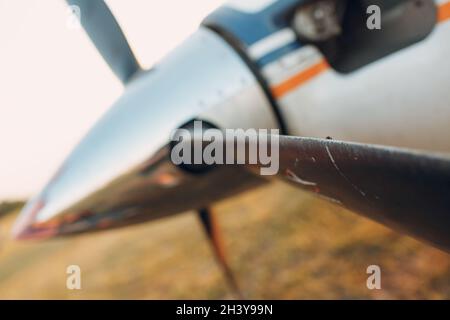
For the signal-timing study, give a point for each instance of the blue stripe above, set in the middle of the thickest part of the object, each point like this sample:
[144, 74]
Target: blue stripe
[249, 28]
[278, 53]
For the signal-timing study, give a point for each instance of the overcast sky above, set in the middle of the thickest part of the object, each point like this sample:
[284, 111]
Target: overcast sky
[54, 85]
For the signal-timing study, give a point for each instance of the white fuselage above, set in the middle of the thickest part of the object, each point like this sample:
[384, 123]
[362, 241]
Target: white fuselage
[401, 100]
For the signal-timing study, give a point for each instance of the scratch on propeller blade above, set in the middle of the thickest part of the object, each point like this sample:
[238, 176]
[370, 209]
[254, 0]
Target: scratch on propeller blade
[293, 177]
[342, 174]
[211, 227]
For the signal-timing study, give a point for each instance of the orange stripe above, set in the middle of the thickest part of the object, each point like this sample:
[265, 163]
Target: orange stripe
[444, 12]
[299, 79]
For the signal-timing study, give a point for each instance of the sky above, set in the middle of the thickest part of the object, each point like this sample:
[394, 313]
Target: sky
[54, 85]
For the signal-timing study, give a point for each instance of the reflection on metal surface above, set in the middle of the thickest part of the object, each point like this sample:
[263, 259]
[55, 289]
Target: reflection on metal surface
[120, 173]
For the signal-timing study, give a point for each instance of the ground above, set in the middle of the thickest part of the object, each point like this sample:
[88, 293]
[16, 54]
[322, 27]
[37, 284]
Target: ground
[282, 244]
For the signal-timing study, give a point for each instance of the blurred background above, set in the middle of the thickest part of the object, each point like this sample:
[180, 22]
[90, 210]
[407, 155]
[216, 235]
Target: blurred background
[282, 243]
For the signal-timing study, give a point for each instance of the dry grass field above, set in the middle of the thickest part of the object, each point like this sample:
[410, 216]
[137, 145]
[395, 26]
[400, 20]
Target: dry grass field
[282, 244]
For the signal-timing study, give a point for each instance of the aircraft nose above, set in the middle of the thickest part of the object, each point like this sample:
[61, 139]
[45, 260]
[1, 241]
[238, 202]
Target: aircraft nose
[121, 172]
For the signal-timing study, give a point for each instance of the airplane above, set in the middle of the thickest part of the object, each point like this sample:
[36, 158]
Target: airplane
[363, 115]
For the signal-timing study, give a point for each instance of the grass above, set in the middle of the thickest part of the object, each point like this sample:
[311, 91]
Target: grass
[9, 207]
[282, 244]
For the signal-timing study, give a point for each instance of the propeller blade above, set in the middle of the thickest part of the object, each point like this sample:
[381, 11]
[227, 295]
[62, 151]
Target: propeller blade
[405, 189]
[212, 230]
[105, 33]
